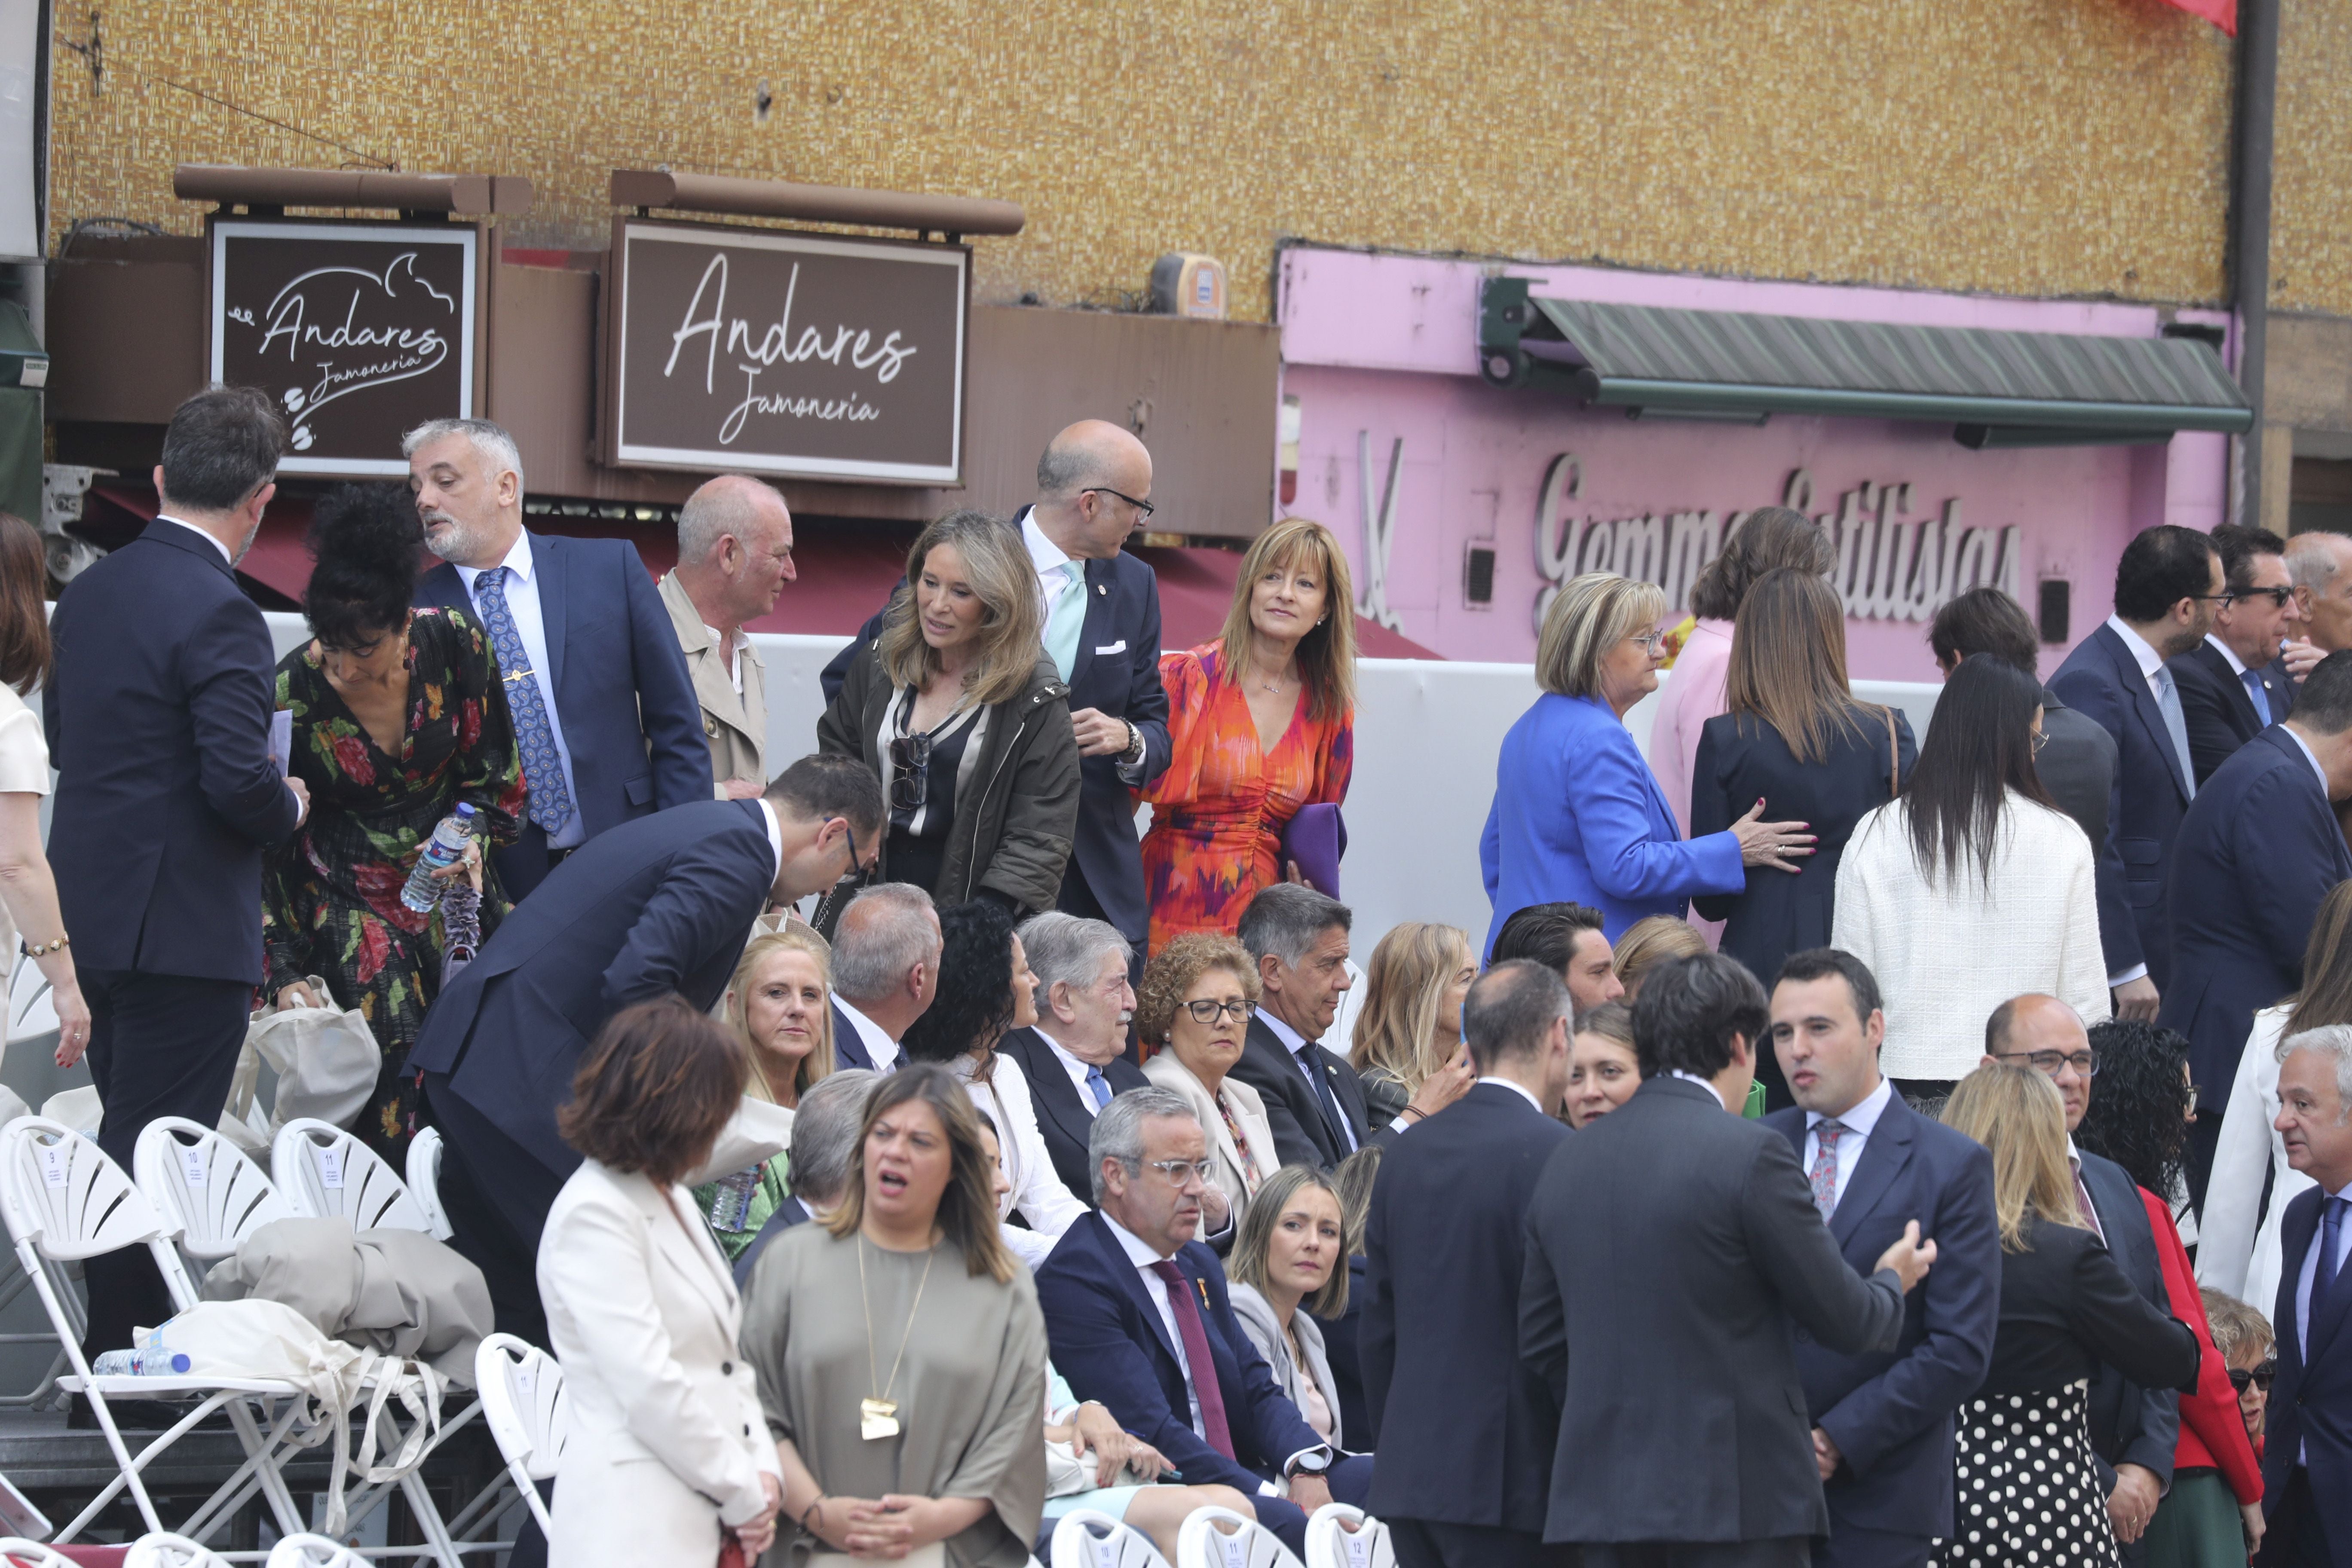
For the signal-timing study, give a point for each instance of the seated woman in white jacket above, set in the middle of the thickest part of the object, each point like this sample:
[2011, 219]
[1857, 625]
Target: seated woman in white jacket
[1288, 1268]
[669, 1449]
[1970, 887]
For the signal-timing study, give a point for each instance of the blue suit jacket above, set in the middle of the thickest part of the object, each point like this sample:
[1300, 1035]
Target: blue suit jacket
[2259, 850]
[2311, 1407]
[1109, 1342]
[158, 722]
[1890, 1413]
[1578, 816]
[849, 1046]
[2101, 680]
[2217, 708]
[622, 691]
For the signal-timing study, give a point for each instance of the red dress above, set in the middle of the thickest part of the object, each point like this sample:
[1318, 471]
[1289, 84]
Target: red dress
[2212, 1430]
[1219, 811]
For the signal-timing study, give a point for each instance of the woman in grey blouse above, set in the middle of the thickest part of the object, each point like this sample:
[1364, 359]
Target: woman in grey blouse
[1289, 1267]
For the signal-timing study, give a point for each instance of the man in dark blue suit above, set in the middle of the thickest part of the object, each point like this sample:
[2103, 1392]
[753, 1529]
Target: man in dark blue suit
[2307, 1445]
[662, 904]
[158, 721]
[1883, 1420]
[2166, 585]
[1102, 628]
[2232, 687]
[2258, 851]
[1138, 1321]
[604, 712]
[1074, 1060]
[1464, 1472]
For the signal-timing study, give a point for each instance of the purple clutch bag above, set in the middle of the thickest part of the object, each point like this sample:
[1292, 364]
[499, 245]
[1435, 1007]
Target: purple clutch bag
[1317, 838]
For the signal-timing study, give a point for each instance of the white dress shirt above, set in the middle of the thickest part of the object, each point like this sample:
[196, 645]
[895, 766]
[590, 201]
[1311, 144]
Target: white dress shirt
[2083, 1189]
[2310, 756]
[200, 533]
[1147, 1263]
[1859, 1120]
[1051, 559]
[732, 649]
[1707, 1084]
[530, 625]
[1519, 1088]
[775, 833]
[2144, 654]
[1298, 1045]
[1077, 1071]
[880, 1048]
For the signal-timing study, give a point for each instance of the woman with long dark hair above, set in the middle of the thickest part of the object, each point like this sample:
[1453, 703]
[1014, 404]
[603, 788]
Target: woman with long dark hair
[28, 892]
[1970, 887]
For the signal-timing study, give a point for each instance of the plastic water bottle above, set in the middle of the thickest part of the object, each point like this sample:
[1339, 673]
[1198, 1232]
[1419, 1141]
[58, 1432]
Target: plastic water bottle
[447, 843]
[148, 1361]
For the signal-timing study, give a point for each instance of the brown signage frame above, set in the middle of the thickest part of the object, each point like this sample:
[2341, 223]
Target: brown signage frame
[476, 342]
[613, 449]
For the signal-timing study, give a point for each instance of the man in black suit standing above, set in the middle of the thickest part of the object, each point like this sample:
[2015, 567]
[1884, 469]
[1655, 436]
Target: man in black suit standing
[1076, 1058]
[1463, 1471]
[1883, 1421]
[885, 970]
[659, 905]
[2232, 688]
[2307, 1448]
[1672, 1245]
[1314, 1100]
[158, 719]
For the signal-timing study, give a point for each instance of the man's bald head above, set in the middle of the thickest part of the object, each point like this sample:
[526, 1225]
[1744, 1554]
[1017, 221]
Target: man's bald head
[734, 549]
[2047, 1035]
[1090, 483]
[2320, 566]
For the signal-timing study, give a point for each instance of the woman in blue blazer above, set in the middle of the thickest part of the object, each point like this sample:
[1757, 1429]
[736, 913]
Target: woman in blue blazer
[1577, 816]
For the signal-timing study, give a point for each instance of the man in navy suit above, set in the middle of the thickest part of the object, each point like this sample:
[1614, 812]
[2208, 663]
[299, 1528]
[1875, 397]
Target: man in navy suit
[1138, 1319]
[1076, 1058]
[662, 904]
[2307, 1443]
[158, 719]
[1883, 1421]
[1464, 1472]
[885, 970]
[1314, 1100]
[2166, 585]
[2232, 688]
[604, 712]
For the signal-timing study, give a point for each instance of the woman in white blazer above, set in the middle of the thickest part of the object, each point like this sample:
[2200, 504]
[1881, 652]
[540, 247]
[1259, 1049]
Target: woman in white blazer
[1193, 1011]
[668, 1448]
[1971, 886]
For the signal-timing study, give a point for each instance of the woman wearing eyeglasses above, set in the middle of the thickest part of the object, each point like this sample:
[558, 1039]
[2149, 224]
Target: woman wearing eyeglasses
[1192, 1012]
[962, 715]
[1577, 816]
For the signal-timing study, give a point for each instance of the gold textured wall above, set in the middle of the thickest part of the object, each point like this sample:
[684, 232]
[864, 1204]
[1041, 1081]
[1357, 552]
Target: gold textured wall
[2311, 203]
[2035, 147]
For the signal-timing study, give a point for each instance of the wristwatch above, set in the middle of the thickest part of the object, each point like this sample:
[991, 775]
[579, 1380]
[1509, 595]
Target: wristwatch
[1310, 1462]
[1134, 752]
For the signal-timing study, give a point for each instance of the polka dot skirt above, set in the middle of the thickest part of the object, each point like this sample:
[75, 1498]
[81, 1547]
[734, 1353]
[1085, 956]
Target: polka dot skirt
[2029, 1492]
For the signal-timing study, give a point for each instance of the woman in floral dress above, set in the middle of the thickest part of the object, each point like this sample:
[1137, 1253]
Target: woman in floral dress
[398, 715]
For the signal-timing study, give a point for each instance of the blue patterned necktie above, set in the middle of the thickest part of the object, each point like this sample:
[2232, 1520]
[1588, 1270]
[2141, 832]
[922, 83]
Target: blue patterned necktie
[1097, 1086]
[551, 797]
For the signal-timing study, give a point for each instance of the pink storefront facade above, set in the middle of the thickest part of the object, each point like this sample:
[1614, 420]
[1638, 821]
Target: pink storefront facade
[1423, 469]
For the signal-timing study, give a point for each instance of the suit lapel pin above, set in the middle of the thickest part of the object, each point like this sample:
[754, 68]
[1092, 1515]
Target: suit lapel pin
[1103, 588]
[1202, 1286]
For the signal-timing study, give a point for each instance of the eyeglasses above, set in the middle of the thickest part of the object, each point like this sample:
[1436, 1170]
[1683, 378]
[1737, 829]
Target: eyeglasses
[2277, 596]
[2047, 1063]
[1652, 643]
[1207, 1012]
[2041, 739]
[1141, 506]
[2260, 1376]
[911, 774]
[1183, 1173]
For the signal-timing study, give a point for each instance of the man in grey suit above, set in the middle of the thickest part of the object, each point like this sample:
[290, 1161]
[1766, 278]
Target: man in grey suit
[1671, 1247]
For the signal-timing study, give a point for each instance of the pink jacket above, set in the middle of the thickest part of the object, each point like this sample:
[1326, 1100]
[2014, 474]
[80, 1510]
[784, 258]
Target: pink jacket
[1694, 694]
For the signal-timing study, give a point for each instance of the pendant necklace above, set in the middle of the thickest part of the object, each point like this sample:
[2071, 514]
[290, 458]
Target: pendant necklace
[877, 1417]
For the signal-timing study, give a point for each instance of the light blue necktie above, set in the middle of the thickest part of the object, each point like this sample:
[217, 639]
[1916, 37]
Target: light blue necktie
[543, 771]
[2255, 690]
[2167, 701]
[1066, 619]
[1097, 1086]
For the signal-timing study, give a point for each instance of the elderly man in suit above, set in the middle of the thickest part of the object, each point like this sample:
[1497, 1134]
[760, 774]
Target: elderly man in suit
[658, 905]
[2307, 1445]
[1463, 1470]
[2230, 686]
[885, 970]
[1682, 1435]
[2319, 564]
[604, 713]
[1883, 1420]
[1076, 1058]
[734, 556]
[158, 719]
[1314, 1100]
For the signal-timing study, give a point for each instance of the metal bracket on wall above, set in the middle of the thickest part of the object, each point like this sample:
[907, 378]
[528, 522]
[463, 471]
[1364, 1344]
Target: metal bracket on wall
[93, 50]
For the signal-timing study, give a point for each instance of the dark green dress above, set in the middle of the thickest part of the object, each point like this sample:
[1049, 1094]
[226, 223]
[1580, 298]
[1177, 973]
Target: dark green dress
[331, 897]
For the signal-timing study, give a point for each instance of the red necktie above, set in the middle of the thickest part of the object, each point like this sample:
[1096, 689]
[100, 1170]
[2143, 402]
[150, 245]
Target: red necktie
[1203, 1366]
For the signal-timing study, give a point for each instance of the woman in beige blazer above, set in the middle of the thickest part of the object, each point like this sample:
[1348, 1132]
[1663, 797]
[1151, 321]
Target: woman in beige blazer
[669, 1449]
[1193, 1012]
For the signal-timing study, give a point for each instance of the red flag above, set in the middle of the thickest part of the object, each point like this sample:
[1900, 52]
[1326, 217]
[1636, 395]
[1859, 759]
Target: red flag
[2222, 13]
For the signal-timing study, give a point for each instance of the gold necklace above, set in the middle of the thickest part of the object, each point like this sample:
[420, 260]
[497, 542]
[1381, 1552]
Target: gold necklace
[878, 1416]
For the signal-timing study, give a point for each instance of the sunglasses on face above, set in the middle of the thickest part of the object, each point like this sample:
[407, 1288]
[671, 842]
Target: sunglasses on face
[2277, 596]
[2260, 1376]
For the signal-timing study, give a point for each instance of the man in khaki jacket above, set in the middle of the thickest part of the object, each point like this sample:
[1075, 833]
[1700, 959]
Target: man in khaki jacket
[734, 556]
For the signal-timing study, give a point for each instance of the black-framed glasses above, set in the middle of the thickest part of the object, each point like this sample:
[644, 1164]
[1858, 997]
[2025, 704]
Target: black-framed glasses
[2047, 1063]
[1208, 1012]
[910, 771]
[1143, 507]
[2278, 597]
[2260, 1376]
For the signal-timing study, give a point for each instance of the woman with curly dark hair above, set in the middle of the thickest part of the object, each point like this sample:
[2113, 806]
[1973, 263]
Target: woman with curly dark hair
[985, 989]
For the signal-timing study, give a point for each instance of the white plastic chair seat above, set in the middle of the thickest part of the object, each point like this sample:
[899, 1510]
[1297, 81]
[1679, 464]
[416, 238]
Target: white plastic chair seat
[165, 1550]
[209, 1194]
[1084, 1538]
[130, 1386]
[327, 1173]
[1339, 1536]
[313, 1551]
[1244, 1544]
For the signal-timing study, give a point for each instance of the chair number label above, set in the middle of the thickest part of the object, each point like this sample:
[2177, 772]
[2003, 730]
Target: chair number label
[1359, 1550]
[194, 1160]
[525, 1380]
[1106, 1555]
[1236, 1549]
[53, 1164]
[331, 1169]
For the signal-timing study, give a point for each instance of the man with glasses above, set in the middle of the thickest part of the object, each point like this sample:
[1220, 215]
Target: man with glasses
[2230, 687]
[1138, 1319]
[2134, 1430]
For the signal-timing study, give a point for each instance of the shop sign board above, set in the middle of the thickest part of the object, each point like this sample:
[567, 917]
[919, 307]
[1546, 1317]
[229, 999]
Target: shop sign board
[773, 351]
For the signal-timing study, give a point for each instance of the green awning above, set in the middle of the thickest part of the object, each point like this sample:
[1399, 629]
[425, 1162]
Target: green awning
[2000, 388]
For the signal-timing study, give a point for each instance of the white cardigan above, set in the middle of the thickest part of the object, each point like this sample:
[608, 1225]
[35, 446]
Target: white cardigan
[1037, 1188]
[2239, 1252]
[1945, 959]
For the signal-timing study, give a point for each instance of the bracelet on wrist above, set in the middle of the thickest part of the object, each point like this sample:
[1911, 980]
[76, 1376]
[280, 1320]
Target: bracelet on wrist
[43, 949]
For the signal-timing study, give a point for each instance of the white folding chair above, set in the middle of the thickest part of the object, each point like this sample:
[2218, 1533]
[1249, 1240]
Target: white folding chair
[1086, 1539]
[209, 1196]
[1339, 1536]
[521, 1390]
[1220, 1537]
[327, 1173]
[33, 1554]
[313, 1551]
[165, 1550]
[425, 1181]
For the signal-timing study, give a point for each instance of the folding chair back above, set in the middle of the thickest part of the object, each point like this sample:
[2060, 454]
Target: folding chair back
[33, 1554]
[1241, 1543]
[313, 1551]
[521, 1390]
[1086, 1539]
[327, 1173]
[63, 1199]
[425, 1181]
[206, 1191]
[165, 1550]
[1339, 1536]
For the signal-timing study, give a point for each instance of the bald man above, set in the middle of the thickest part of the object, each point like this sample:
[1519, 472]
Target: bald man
[2319, 564]
[1102, 629]
[734, 556]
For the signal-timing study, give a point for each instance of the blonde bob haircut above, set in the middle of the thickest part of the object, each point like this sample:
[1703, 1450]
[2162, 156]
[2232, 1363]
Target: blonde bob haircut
[1327, 654]
[1590, 616]
[1405, 983]
[1252, 1246]
[1012, 626]
[2015, 1111]
[1172, 972]
[792, 937]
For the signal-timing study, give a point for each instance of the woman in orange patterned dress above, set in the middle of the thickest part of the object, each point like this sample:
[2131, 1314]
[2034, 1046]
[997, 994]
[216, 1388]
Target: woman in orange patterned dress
[1261, 721]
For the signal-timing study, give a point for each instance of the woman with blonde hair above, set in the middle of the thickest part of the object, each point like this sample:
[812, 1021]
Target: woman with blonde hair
[2066, 1308]
[1288, 1268]
[1603, 1070]
[1261, 722]
[1193, 1013]
[1407, 1042]
[780, 1005]
[956, 708]
[1578, 816]
[1649, 942]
